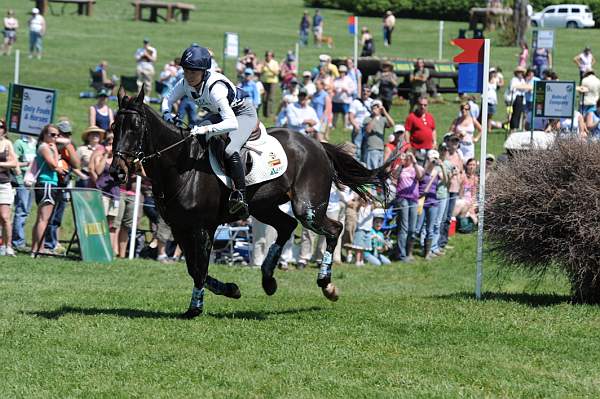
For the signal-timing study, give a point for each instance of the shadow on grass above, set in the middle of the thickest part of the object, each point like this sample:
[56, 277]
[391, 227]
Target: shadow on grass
[532, 300]
[150, 314]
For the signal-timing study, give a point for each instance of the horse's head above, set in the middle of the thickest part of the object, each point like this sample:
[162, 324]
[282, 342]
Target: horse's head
[129, 129]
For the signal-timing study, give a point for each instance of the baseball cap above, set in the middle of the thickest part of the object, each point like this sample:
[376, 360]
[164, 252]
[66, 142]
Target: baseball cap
[324, 58]
[343, 68]
[306, 74]
[433, 154]
[146, 40]
[399, 128]
[64, 126]
[248, 71]
[377, 103]
[378, 213]
[35, 10]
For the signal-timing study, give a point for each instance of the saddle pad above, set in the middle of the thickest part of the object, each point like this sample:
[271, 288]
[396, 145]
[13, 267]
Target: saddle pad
[269, 160]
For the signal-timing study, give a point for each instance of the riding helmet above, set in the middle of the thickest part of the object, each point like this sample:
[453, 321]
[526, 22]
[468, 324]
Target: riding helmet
[196, 58]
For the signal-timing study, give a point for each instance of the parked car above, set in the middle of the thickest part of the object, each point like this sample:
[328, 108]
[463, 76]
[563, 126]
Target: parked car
[564, 16]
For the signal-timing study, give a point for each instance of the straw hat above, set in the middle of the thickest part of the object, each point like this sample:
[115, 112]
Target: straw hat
[520, 69]
[92, 129]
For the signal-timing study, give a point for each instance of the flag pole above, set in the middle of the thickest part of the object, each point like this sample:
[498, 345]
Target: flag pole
[482, 165]
[356, 42]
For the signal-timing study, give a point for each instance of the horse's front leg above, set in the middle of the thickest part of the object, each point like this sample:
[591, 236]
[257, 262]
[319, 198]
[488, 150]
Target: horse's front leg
[197, 245]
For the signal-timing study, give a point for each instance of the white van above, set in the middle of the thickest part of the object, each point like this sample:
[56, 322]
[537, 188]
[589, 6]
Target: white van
[564, 16]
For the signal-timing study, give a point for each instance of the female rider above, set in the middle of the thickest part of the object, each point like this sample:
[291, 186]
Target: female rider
[230, 111]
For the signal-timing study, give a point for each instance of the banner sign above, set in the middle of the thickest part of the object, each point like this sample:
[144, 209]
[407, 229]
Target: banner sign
[470, 65]
[231, 44]
[554, 99]
[29, 108]
[542, 39]
[352, 25]
[92, 227]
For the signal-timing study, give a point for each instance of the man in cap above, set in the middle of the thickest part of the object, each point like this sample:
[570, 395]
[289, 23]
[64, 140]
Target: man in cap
[302, 118]
[375, 126]
[308, 84]
[360, 109]
[145, 58]
[37, 30]
[332, 69]
[249, 86]
[585, 61]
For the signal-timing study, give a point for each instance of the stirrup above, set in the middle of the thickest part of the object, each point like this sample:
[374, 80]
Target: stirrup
[238, 205]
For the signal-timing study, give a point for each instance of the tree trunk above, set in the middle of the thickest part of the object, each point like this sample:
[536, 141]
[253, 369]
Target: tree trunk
[585, 287]
[520, 20]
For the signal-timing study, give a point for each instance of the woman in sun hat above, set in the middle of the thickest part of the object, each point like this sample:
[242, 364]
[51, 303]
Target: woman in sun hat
[91, 138]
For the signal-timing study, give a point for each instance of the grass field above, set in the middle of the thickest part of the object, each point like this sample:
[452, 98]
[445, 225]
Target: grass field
[70, 329]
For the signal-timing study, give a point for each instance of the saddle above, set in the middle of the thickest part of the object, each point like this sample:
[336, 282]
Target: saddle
[218, 144]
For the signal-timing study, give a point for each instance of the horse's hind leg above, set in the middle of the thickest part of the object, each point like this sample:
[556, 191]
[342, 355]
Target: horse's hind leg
[285, 225]
[229, 290]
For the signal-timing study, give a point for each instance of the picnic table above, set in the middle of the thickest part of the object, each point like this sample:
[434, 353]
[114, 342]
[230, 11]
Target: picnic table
[154, 6]
[84, 7]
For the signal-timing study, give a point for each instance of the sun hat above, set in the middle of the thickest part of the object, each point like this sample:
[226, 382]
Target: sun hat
[377, 103]
[35, 10]
[343, 68]
[378, 213]
[490, 157]
[324, 58]
[433, 154]
[520, 69]
[90, 130]
[64, 126]
[306, 74]
[399, 128]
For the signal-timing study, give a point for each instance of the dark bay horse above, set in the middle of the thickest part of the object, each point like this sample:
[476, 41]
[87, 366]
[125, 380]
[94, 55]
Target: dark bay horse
[193, 201]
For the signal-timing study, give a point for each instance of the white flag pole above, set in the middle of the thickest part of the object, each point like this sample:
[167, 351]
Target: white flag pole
[482, 160]
[17, 66]
[356, 42]
[298, 58]
[136, 205]
[441, 41]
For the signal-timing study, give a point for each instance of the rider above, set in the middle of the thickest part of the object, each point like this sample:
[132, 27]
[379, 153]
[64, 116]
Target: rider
[230, 111]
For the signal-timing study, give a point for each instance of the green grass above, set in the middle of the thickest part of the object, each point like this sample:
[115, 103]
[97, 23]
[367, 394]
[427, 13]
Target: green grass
[70, 329]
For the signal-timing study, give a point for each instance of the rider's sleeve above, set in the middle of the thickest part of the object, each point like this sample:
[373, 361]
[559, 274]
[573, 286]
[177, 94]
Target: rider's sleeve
[175, 94]
[229, 122]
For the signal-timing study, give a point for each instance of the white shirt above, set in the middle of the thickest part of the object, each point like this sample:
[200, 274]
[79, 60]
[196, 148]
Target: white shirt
[310, 88]
[585, 62]
[338, 197]
[36, 24]
[215, 101]
[143, 60]
[343, 89]
[492, 93]
[364, 218]
[592, 83]
[361, 109]
[296, 115]
[517, 92]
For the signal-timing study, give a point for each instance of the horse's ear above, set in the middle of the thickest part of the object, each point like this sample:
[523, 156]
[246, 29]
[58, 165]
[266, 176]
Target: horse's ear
[140, 98]
[121, 95]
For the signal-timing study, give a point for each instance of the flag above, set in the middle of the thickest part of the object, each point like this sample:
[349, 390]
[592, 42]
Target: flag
[352, 25]
[470, 65]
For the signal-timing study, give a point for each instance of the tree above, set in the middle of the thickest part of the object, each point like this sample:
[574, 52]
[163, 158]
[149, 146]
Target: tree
[520, 20]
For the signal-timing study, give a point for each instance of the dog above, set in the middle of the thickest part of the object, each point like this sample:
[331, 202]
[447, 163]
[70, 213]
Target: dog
[328, 40]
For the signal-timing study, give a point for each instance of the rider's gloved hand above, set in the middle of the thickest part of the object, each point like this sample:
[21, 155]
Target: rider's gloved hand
[198, 130]
[168, 116]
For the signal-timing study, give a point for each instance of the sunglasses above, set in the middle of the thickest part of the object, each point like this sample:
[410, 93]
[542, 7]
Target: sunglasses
[53, 135]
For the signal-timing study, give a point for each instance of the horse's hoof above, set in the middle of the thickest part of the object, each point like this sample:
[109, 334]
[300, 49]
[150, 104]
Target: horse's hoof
[269, 285]
[331, 292]
[232, 291]
[191, 313]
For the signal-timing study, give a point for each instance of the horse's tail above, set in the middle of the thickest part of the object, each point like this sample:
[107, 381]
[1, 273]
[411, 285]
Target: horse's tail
[349, 172]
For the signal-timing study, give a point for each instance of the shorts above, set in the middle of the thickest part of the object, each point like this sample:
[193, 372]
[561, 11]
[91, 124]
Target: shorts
[46, 193]
[163, 231]
[11, 35]
[362, 239]
[125, 215]
[318, 30]
[7, 194]
[492, 109]
[111, 206]
[341, 107]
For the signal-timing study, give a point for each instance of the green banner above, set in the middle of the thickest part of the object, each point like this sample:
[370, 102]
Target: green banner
[92, 227]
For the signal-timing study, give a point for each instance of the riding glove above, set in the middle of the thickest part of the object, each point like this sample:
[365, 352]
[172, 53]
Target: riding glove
[197, 130]
[168, 116]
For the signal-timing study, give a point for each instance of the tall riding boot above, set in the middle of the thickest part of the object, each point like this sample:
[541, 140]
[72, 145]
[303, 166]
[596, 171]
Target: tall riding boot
[427, 250]
[237, 199]
[410, 243]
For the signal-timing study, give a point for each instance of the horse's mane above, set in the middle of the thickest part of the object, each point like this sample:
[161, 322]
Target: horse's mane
[148, 111]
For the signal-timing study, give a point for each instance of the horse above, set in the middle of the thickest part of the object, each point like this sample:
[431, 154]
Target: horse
[192, 200]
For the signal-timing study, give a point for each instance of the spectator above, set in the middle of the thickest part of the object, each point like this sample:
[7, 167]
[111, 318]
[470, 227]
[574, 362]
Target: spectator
[395, 144]
[124, 220]
[420, 128]
[46, 194]
[288, 70]
[418, 82]
[104, 82]
[292, 90]
[388, 82]
[538, 123]
[304, 29]
[542, 61]
[375, 126]
[281, 118]
[37, 30]
[523, 55]
[302, 118]
[8, 161]
[145, 57]
[248, 60]
[518, 88]
[407, 195]
[455, 177]
[359, 110]
[263, 236]
[492, 97]
[25, 151]
[100, 114]
[270, 77]
[308, 84]
[464, 128]
[378, 243]
[169, 76]
[317, 24]
[466, 205]
[330, 69]
[343, 89]
[356, 77]
[591, 83]
[11, 24]
[102, 180]
[432, 175]
[389, 21]
[164, 236]
[336, 210]
[319, 103]
[362, 236]
[91, 138]
[69, 161]
[249, 86]
[366, 40]
[585, 61]
[445, 167]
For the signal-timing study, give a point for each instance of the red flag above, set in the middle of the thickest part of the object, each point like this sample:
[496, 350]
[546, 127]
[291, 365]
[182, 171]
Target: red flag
[472, 51]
